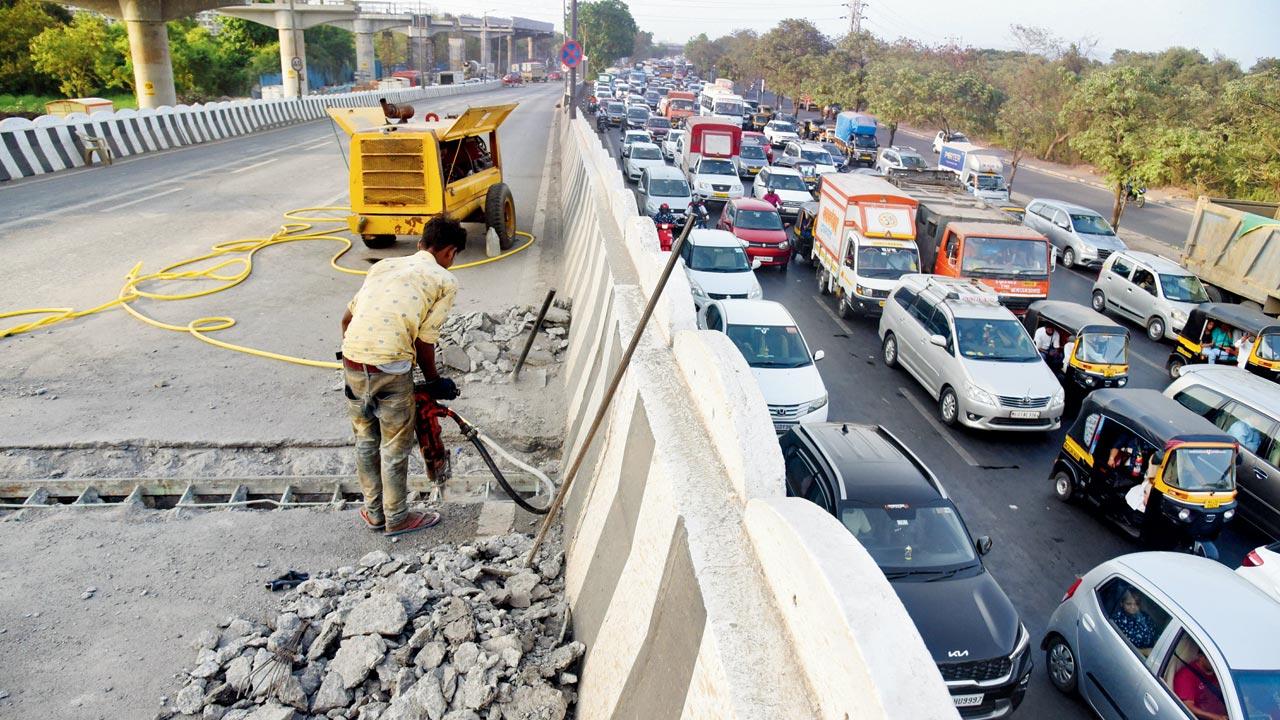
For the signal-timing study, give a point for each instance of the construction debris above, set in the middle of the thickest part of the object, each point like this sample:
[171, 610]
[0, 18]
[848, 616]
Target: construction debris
[486, 346]
[456, 633]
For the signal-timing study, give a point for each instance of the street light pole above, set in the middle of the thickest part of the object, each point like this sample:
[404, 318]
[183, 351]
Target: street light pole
[573, 71]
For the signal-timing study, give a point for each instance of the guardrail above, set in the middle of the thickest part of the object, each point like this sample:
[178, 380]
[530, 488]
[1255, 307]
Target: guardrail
[51, 143]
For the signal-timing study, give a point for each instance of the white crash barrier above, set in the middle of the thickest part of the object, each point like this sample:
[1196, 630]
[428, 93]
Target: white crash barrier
[698, 588]
[51, 143]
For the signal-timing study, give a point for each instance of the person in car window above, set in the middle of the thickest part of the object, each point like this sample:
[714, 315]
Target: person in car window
[1137, 626]
[1197, 687]
[1219, 345]
[1248, 436]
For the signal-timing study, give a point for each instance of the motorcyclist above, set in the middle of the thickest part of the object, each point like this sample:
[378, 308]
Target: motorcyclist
[771, 196]
[664, 216]
[698, 210]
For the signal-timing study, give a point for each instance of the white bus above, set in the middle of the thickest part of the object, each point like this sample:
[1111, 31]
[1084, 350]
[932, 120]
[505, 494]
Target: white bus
[716, 101]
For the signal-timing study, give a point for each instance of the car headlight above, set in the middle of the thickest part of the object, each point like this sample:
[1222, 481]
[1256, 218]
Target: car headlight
[862, 290]
[816, 405]
[784, 245]
[1178, 317]
[978, 395]
[1024, 642]
[1184, 514]
[755, 293]
[1122, 382]
[697, 290]
[1058, 397]
[1228, 515]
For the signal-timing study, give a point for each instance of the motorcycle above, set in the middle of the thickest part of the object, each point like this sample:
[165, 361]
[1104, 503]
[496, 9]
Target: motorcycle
[1135, 193]
[700, 215]
[666, 235]
[602, 122]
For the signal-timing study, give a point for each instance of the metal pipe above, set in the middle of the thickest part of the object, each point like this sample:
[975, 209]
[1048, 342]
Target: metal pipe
[537, 325]
[610, 391]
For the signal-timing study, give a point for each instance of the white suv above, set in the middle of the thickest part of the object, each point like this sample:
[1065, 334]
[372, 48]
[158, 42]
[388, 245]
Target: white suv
[898, 158]
[970, 353]
[800, 151]
[778, 356]
[789, 185]
[718, 267]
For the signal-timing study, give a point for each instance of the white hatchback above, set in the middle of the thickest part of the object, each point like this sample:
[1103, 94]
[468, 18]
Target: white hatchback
[643, 155]
[718, 268]
[1262, 568]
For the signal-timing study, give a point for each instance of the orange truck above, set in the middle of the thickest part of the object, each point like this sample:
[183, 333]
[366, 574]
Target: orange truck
[678, 105]
[959, 235]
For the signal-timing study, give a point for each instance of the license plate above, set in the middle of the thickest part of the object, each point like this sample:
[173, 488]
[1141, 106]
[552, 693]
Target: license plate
[1211, 504]
[967, 700]
[722, 195]
[1024, 414]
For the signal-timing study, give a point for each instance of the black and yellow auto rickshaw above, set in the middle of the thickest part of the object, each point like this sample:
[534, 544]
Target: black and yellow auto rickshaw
[761, 117]
[1196, 344]
[813, 129]
[802, 231]
[1099, 346]
[1164, 474]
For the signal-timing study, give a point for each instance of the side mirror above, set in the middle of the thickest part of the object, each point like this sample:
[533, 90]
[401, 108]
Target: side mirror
[1063, 225]
[757, 263]
[818, 355]
[982, 544]
[938, 340]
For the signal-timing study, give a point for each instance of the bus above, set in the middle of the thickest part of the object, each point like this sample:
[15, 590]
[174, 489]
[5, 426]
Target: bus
[717, 101]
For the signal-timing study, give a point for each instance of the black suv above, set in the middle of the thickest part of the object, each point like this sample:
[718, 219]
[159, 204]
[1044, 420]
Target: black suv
[896, 509]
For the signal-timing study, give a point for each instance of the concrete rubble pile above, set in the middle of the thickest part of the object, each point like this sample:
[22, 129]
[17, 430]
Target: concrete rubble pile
[486, 346]
[455, 633]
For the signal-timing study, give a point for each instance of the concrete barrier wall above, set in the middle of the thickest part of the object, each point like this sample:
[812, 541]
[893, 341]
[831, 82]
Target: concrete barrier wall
[51, 143]
[700, 590]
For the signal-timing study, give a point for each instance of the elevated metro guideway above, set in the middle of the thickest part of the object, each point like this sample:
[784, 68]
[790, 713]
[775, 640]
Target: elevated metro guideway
[149, 41]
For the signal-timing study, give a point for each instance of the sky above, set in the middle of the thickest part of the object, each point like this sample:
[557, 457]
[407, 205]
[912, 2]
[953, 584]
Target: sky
[1243, 30]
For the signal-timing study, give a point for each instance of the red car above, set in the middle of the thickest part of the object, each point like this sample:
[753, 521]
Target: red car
[757, 224]
[512, 79]
[757, 138]
[553, 75]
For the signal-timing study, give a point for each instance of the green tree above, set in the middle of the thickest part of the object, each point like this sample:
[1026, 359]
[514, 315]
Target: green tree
[737, 57]
[642, 48]
[1252, 108]
[1029, 121]
[782, 54]
[608, 31]
[73, 54]
[391, 49]
[204, 66]
[331, 51]
[1115, 114]
[894, 93]
[702, 52]
[20, 21]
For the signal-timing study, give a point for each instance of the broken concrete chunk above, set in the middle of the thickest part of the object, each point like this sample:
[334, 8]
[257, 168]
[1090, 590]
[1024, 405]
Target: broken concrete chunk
[190, 698]
[272, 711]
[356, 657]
[332, 694]
[431, 655]
[381, 613]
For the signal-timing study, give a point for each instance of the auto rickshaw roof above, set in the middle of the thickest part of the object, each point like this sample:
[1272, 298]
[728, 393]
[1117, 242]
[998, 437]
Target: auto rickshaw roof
[1074, 317]
[810, 208]
[1154, 415]
[1237, 316]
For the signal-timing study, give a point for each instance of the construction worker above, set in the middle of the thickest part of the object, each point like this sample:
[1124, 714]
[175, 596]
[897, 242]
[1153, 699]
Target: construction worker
[394, 320]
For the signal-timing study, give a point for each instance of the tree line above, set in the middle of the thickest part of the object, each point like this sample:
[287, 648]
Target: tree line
[1173, 117]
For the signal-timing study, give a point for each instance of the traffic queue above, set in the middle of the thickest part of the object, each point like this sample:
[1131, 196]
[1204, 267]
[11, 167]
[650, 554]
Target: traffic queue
[957, 279]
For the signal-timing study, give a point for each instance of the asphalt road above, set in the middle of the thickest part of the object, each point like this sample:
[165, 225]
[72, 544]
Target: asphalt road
[998, 480]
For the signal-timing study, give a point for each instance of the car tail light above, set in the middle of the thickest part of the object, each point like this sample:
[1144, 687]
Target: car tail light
[1072, 590]
[1253, 559]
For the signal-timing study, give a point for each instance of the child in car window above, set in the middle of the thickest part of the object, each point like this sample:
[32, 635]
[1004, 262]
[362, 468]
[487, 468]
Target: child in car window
[1134, 622]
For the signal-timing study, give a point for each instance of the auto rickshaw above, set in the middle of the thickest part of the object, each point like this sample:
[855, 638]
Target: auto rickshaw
[1161, 472]
[802, 231]
[1017, 212]
[809, 172]
[761, 117]
[1195, 341]
[1099, 346]
[812, 129]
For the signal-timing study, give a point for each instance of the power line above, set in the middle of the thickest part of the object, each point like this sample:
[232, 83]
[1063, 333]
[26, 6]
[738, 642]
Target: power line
[855, 16]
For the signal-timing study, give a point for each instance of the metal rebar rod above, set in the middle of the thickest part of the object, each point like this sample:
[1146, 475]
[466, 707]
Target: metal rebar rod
[537, 326]
[609, 392]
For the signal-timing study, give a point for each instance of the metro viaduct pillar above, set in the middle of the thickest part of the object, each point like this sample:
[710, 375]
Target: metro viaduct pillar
[290, 25]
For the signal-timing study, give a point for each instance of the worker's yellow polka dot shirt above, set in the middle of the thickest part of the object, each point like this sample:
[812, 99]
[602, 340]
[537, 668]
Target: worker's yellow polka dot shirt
[403, 299]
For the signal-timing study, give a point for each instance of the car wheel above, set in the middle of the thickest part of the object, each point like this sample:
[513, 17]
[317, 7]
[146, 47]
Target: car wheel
[1175, 365]
[500, 214]
[1061, 662]
[1155, 329]
[378, 242]
[844, 309]
[821, 273]
[1064, 487]
[1099, 301]
[948, 407]
[1068, 258]
[889, 350]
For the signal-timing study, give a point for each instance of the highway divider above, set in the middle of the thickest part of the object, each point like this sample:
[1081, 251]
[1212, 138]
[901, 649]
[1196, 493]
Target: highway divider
[51, 143]
[699, 588]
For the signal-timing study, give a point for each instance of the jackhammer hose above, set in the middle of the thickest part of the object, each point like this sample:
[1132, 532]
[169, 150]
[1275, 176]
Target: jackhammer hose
[479, 441]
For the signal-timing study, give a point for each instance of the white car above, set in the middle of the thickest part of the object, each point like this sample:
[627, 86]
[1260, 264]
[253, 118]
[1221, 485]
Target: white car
[718, 267]
[789, 185]
[643, 155]
[715, 179]
[813, 152]
[899, 158]
[778, 356]
[664, 185]
[669, 144]
[1262, 568]
[632, 137]
[942, 138]
[779, 132]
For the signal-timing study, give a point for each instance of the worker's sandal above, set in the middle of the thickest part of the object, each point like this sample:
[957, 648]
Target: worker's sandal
[364, 515]
[413, 522]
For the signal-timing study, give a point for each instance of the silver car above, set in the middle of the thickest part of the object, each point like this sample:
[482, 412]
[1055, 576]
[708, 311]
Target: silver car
[1150, 290]
[1150, 635]
[1079, 235]
[970, 353]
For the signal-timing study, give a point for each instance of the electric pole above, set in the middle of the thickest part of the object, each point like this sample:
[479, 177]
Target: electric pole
[573, 71]
[855, 16]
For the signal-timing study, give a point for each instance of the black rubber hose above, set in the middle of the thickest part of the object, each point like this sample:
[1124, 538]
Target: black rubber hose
[497, 473]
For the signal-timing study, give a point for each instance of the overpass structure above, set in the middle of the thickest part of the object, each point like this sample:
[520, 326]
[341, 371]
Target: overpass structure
[145, 20]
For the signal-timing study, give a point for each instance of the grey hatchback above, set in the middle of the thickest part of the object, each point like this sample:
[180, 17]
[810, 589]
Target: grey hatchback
[1167, 636]
[1079, 235]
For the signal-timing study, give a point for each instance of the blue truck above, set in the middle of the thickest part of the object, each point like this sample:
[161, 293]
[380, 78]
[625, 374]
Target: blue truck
[856, 135]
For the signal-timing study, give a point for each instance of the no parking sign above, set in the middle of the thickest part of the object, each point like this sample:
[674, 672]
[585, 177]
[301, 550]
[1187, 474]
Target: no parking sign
[571, 53]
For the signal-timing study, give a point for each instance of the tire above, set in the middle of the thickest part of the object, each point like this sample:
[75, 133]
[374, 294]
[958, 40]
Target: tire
[843, 309]
[378, 242]
[1175, 365]
[1061, 664]
[1068, 258]
[821, 273]
[948, 407]
[889, 350]
[1064, 486]
[500, 214]
[1155, 329]
[1099, 301]
[1140, 201]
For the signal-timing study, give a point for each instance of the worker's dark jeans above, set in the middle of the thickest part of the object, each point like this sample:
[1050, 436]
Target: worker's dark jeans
[383, 441]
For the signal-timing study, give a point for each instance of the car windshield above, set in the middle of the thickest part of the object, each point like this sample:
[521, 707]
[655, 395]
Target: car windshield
[681, 104]
[864, 141]
[779, 181]
[887, 263]
[658, 122]
[1200, 469]
[770, 346]
[913, 162]
[1183, 288]
[718, 259]
[817, 156]
[1269, 347]
[638, 113]
[806, 168]
[958, 137]
[995, 339]
[646, 153]
[617, 108]
[832, 150]
[716, 167]
[635, 136]
[751, 152]
[1259, 692]
[754, 141]
[758, 220]
[1005, 256]
[725, 107]
[991, 182]
[1102, 349]
[669, 188]
[1091, 224]
[904, 539]
[780, 126]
